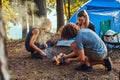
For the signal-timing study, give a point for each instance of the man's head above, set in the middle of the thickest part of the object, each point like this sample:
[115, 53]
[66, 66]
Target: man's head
[69, 31]
[82, 17]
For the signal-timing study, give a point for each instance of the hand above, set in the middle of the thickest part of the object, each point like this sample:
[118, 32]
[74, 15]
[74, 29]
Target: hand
[43, 54]
[68, 60]
[46, 46]
[64, 56]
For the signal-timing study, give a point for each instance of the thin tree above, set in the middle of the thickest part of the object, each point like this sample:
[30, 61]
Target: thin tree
[60, 14]
[68, 9]
[3, 63]
[41, 4]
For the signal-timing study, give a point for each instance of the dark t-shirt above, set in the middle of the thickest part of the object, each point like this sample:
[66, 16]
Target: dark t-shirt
[27, 41]
[90, 26]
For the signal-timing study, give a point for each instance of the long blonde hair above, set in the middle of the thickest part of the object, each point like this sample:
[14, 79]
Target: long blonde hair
[44, 25]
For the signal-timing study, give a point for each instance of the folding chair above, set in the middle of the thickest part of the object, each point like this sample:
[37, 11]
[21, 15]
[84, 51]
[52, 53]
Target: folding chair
[112, 46]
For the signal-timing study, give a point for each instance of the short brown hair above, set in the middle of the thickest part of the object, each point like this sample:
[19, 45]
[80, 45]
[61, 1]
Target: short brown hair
[69, 31]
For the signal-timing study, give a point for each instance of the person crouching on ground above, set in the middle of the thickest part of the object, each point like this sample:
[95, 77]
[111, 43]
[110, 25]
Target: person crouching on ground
[88, 48]
[37, 37]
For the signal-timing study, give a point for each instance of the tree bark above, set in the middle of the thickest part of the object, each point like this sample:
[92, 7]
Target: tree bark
[68, 9]
[41, 4]
[3, 62]
[60, 14]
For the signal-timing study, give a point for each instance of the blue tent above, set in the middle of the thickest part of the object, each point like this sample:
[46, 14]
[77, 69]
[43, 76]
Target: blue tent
[101, 11]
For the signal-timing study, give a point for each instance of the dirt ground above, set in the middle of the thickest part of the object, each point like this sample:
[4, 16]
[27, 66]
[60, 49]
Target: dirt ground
[23, 67]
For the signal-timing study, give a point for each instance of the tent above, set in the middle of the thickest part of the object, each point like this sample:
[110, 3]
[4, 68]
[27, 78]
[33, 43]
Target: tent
[103, 14]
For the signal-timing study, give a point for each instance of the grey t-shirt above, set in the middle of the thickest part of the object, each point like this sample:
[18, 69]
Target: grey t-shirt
[87, 39]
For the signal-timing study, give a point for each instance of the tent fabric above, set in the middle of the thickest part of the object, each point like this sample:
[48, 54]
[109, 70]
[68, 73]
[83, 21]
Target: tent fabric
[99, 11]
[105, 3]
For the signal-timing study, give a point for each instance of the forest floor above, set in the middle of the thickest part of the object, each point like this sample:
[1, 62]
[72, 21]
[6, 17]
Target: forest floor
[23, 67]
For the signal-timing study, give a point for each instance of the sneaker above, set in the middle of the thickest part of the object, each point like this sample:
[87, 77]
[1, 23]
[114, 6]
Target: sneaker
[36, 56]
[108, 64]
[84, 68]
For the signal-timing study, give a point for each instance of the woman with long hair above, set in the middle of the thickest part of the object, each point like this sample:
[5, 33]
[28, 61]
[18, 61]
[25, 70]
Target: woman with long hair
[83, 20]
[38, 38]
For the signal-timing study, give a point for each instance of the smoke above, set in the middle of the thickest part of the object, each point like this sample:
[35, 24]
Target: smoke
[44, 25]
[51, 52]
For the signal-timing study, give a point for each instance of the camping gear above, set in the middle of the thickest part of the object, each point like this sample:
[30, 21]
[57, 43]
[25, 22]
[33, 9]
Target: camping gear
[102, 13]
[112, 41]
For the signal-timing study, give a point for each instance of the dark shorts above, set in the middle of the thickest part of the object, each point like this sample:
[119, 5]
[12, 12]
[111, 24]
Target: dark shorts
[93, 56]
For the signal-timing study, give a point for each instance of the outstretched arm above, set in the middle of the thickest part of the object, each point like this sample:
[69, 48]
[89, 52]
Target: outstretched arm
[80, 56]
[35, 33]
[70, 55]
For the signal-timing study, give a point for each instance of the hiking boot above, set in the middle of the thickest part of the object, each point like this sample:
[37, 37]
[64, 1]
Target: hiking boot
[108, 64]
[84, 68]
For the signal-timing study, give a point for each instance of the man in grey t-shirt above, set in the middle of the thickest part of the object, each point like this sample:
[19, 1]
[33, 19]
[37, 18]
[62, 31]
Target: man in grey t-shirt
[88, 48]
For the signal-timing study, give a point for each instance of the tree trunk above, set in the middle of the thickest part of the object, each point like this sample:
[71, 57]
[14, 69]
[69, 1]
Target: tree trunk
[41, 4]
[3, 63]
[68, 9]
[60, 14]
[23, 19]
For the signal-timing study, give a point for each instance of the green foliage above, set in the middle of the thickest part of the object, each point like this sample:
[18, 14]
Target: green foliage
[74, 6]
[51, 1]
[51, 4]
[8, 13]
